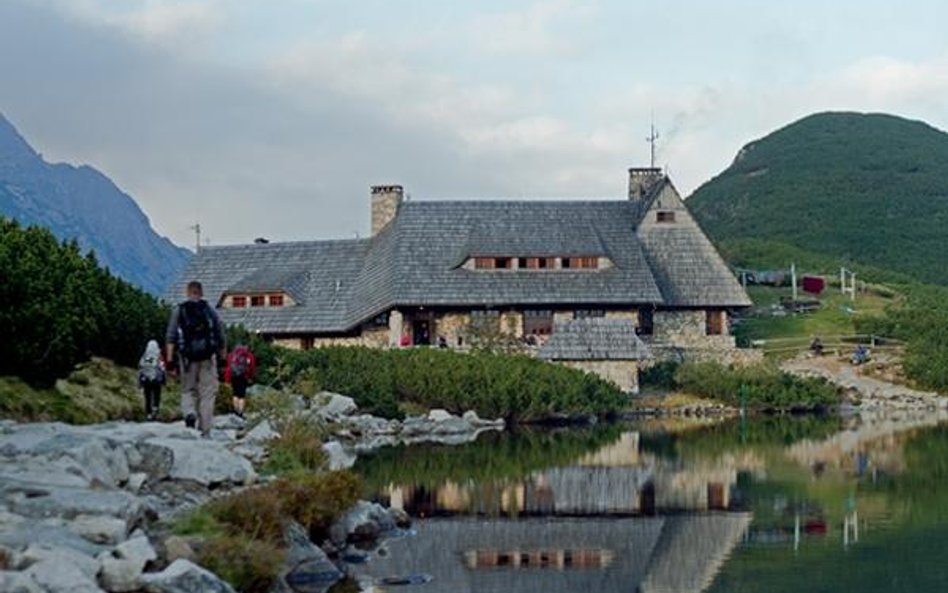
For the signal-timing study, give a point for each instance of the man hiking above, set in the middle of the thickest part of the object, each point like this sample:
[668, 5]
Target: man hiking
[241, 368]
[196, 336]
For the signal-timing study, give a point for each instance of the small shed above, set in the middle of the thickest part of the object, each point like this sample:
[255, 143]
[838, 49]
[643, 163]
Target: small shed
[606, 347]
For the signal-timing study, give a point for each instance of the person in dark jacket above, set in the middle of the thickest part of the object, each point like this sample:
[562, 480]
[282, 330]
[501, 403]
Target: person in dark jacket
[240, 371]
[196, 337]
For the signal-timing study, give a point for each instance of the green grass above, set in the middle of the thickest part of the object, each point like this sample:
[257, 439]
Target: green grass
[838, 316]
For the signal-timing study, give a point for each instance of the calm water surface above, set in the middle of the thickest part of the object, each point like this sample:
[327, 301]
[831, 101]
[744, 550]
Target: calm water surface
[770, 505]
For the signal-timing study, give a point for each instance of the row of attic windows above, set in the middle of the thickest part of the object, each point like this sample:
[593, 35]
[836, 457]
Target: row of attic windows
[536, 263]
[241, 301]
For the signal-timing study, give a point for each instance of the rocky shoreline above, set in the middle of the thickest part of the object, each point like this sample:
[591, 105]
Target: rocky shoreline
[85, 508]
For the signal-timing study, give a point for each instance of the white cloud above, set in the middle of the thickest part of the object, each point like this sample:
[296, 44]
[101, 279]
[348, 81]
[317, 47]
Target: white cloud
[534, 31]
[166, 22]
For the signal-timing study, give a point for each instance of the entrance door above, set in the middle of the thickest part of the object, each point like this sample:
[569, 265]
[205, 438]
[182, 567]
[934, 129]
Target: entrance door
[421, 332]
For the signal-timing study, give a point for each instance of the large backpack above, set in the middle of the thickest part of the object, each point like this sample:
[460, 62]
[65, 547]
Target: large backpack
[150, 370]
[240, 362]
[198, 331]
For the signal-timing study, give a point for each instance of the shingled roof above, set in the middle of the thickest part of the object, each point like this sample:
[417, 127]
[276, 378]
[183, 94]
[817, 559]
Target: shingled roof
[418, 260]
[596, 338]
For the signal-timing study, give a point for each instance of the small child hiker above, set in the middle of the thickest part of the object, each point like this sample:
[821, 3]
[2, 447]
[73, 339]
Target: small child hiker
[151, 378]
[241, 368]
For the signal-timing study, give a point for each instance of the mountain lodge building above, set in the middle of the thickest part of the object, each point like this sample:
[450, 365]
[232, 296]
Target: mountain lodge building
[638, 272]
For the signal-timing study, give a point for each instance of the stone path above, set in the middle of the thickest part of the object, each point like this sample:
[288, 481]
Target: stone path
[868, 392]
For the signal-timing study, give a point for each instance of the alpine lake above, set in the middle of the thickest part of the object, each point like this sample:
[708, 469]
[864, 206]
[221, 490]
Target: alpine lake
[760, 504]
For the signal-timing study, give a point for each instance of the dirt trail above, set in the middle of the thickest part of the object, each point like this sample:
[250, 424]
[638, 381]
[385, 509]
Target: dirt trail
[870, 392]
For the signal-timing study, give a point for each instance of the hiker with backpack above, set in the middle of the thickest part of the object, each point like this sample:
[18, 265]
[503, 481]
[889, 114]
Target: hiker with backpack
[151, 377]
[241, 367]
[195, 334]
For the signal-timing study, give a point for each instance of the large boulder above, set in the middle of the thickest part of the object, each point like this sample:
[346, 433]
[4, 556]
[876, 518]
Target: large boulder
[62, 577]
[203, 461]
[69, 503]
[365, 521]
[56, 555]
[307, 568]
[99, 529]
[332, 406]
[18, 582]
[183, 576]
[121, 570]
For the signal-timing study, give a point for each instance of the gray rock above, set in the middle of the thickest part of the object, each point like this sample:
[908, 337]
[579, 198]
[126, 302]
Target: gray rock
[372, 425]
[439, 415]
[61, 577]
[36, 553]
[307, 566]
[205, 462]
[229, 422]
[452, 425]
[332, 406]
[137, 549]
[339, 457]
[364, 521]
[261, 433]
[121, 570]
[183, 576]
[136, 481]
[70, 503]
[22, 534]
[103, 463]
[18, 582]
[99, 529]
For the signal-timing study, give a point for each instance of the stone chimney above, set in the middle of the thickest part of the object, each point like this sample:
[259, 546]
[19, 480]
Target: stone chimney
[386, 200]
[641, 179]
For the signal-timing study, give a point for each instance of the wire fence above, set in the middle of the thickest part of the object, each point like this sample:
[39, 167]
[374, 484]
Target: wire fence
[829, 343]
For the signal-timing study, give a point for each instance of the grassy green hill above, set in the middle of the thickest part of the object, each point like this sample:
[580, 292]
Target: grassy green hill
[869, 190]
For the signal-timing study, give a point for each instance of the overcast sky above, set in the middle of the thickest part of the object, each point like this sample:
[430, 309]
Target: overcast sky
[273, 117]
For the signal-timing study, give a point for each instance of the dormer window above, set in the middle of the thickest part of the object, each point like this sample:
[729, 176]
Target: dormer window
[580, 263]
[665, 216]
[537, 263]
[256, 300]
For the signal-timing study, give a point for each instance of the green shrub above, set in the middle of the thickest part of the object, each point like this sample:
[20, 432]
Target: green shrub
[299, 448]
[249, 565]
[243, 532]
[316, 500]
[660, 375]
[763, 385]
[518, 388]
[253, 513]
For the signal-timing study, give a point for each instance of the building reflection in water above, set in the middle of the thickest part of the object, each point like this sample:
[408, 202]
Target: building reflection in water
[598, 524]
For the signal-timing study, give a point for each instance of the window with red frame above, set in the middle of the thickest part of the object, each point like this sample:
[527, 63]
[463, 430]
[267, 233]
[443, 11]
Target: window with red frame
[238, 302]
[276, 300]
[258, 301]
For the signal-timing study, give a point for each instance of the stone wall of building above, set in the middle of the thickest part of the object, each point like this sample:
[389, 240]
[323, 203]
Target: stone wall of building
[622, 373]
[687, 329]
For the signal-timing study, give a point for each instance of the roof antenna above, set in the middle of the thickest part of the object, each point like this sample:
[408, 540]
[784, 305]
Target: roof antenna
[651, 139]
[196, 227]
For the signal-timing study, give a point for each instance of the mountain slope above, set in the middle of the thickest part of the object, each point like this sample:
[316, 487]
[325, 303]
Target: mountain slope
[865, 188]
[81, 203]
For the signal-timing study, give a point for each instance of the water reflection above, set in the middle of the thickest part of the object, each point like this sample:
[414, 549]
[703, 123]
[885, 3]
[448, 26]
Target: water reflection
[659, 507]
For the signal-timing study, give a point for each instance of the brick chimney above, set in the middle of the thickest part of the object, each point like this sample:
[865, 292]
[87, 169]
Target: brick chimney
[641, 179]
[386, 200]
